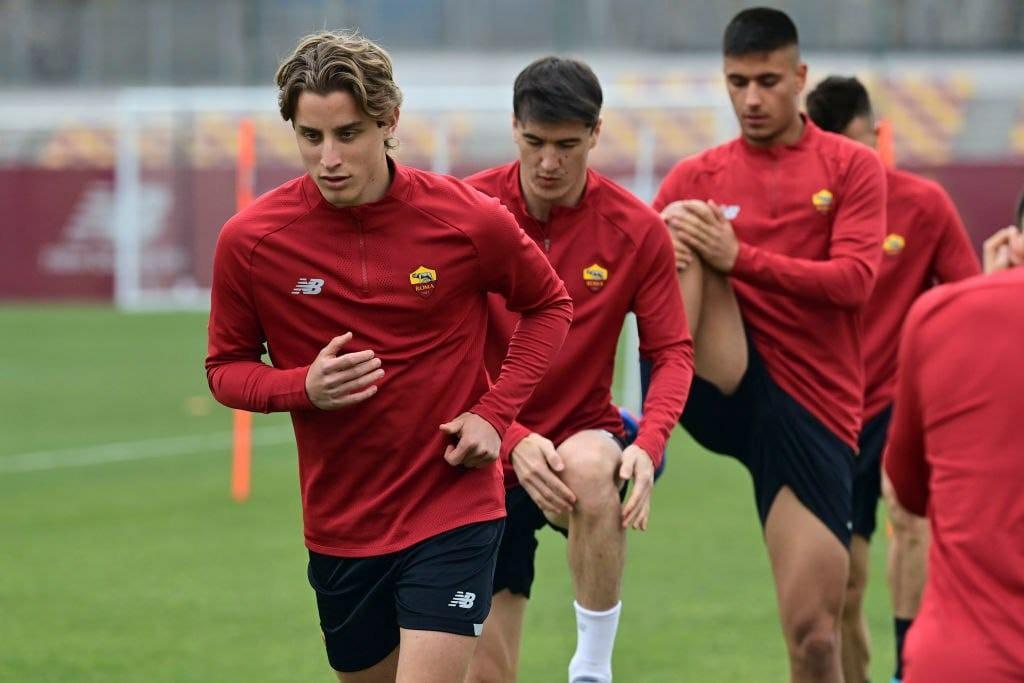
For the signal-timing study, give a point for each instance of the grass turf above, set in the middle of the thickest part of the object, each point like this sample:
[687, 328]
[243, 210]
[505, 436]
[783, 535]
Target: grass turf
[144, 569]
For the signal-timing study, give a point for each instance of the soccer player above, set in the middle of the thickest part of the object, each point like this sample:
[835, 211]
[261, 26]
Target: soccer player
[955, 454]
[367, 281]
[926, 244]
[565, 457]
[777, 238]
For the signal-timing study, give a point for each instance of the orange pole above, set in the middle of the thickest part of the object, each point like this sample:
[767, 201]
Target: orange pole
[241, 451]
[886, 148]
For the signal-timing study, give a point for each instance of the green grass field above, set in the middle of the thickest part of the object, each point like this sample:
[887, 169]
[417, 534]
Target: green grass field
[132, 563]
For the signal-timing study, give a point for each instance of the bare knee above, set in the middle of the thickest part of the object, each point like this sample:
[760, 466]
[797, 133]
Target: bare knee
[856, 583]
[590, 471]
[814, 645]
[909, 531]
[486, 670]
[853, 603]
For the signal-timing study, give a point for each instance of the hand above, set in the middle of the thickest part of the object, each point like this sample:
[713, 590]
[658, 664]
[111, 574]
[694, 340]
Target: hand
[334, 381]
[673, 215]
[536, 462]
[1003, 250]
[703, 227]
[639, 467]
[476, 442]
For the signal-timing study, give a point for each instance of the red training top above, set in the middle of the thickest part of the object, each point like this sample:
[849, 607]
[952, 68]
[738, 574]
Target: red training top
[409, 276]
[955, 453]
[809, 218]
[926, 245]
[615, 256]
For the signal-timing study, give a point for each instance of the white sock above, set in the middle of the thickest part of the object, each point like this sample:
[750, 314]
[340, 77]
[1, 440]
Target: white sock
[595, 640]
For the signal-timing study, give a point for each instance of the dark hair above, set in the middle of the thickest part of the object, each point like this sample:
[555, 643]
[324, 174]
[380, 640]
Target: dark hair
[553, 90]
[836, 101]
[758, 29]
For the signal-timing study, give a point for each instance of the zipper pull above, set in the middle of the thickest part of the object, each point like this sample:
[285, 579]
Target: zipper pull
[547, 245]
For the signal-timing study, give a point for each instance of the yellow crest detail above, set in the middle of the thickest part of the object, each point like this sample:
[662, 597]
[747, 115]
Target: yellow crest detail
[594, 276]
[893, 244]
[423, 281]
[822, 200]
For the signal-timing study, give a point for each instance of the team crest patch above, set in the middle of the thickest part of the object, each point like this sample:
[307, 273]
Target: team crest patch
[822, 200]
[893, 244]
[730, 211]
[594, 277]
[423, 281]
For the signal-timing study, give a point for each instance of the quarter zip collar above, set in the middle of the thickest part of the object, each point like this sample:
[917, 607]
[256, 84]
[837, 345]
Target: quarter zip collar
[810, 133]
[397, 191]
[543, 230]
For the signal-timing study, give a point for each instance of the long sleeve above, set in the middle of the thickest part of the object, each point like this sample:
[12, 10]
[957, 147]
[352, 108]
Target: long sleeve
[665, 340]
[236, 374]
[904, 460]
[513, 266]
[847, 277]
[955, 258]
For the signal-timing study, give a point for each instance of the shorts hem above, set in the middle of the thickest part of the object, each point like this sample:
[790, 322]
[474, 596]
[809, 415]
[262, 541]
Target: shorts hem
[440, 625]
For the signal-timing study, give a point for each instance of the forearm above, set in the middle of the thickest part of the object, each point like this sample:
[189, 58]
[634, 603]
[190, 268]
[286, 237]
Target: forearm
[671, 375]
[258, 387]
[536, 340]
[843, 281]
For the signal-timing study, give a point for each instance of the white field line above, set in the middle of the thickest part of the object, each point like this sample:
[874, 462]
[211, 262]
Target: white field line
[144, 449]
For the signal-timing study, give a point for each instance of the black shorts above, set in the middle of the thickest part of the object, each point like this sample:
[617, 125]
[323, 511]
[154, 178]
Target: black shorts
[514, 569]
[779, 441]
[867, 473]
[442, 583]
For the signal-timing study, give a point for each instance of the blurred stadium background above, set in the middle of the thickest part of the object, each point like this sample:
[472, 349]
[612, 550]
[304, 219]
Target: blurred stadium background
[124, 557]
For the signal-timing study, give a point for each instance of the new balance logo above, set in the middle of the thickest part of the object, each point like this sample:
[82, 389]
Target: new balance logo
[462, 599]
[313, 285]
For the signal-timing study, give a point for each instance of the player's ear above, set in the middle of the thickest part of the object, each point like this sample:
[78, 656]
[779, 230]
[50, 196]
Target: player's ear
[595, 133]
[391, 122]
[516, 129]
[801, 76]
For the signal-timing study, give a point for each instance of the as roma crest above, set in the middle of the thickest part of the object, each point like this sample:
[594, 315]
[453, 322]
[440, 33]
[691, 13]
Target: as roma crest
[893, 244]
[822, 200]
[423, 281]
[594, 277]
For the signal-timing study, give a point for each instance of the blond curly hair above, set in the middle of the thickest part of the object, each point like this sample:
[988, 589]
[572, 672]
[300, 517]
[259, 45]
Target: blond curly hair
[329, 61]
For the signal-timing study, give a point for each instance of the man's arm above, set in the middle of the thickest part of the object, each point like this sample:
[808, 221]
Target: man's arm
[514, 267]
[665, 339]
[847, 277]
[954, 256]
[904, 459]
[235, 371]
[237, 376]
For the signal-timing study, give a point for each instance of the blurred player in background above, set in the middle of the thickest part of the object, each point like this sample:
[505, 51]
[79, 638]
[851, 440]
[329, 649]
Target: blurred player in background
[926, 244]
[565, 458]
[955, 454]
[777, 236]
[367, 281]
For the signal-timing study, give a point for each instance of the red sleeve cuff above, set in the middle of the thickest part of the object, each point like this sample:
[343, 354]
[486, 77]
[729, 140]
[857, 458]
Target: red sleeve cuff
[650, 446]
[742, 266]
[492, 419]
[513, 435]
[294, 396]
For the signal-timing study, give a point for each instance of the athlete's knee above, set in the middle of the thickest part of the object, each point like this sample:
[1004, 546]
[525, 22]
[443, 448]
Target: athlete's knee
[856, 583]
[590, 469]
[814, 644]
[854, 601]
[487, 668]
[909, 531]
